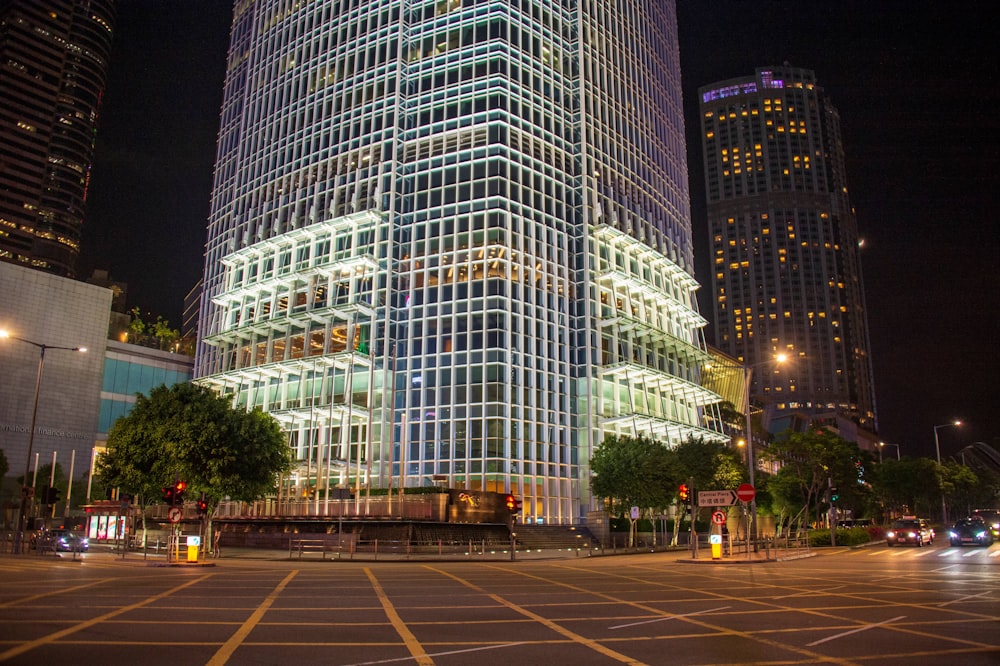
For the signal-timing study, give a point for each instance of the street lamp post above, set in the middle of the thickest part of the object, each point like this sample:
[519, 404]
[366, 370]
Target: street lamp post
[882, 445]
[937, 450]
[751, 464]
[25, 488]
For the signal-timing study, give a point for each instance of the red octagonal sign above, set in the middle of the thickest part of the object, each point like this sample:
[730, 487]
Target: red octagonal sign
[746, 492]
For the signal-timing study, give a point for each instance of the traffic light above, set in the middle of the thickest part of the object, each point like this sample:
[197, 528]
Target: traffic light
[53, 496]
[202, 504]
[179, 488]
[683, 493]
[168, 494]
[517, 505]
[511, 503]
[834, 496]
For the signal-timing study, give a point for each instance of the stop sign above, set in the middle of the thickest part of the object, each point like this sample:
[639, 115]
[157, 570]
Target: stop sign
[746, 492]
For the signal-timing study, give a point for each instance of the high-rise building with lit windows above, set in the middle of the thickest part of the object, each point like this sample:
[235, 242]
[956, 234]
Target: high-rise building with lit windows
[53, 68]
[786, 270]
[450, 241]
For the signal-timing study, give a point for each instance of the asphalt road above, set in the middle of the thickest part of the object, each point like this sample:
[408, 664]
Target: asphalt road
[877, 605]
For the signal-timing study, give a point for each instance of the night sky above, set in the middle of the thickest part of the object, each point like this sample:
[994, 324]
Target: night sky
[916, 84]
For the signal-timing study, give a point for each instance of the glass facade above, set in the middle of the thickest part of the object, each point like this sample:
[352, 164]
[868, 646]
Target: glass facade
[450, 241]
[130, 369]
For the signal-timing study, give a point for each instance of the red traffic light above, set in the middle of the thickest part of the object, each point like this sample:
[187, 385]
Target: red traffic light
[510, 502]
[179, 486]
[683, 492]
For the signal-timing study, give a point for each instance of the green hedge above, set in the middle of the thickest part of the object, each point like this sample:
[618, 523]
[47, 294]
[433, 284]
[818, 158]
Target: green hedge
[854, 536]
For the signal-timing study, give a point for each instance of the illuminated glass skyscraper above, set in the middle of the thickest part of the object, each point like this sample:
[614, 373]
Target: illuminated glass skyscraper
[786, 271]
[53, 69]
[450, 240]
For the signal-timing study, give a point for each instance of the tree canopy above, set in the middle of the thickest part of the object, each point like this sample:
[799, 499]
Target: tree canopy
[187, 432]
[808, 462]
[630, 471]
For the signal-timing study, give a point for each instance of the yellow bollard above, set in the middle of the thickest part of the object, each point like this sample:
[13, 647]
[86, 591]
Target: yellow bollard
[715, 540]
[193, 545]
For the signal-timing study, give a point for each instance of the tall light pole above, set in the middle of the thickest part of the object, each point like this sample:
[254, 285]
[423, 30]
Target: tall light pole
[882, 445]
[937, 450]
[751, 465]
[25, 488]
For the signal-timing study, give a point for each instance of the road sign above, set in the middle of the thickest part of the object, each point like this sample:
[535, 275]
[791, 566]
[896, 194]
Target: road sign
[634, 513]
[716, 498]
[719, 517]
[746, 492]
[174, 514]
[27, 492]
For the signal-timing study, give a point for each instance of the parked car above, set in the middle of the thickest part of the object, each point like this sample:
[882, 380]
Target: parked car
[992, 519]
[972, 532]
[910, 530]
[62, 540]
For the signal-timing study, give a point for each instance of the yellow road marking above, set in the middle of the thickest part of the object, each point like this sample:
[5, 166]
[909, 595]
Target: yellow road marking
[412, 644]
[575, 637]
[61, 590]
[830, 616]
[688, 618]
[53, 637]
[226, 651]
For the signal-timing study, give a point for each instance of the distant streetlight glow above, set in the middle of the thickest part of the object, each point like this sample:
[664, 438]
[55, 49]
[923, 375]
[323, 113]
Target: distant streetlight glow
[882, 445]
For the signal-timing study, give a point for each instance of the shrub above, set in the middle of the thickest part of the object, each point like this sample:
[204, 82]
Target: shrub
[853, 536]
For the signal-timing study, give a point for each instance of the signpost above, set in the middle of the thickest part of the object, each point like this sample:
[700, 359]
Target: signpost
[719, 517]
[746, 492]
[717, 498]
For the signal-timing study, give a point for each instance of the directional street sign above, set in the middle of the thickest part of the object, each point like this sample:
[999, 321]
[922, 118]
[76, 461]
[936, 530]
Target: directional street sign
[717, 498]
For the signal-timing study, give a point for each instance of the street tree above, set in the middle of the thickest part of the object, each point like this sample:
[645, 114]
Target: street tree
[187, 432]
[634, 471]
[910, 485]
[811, 460]
[959, 485]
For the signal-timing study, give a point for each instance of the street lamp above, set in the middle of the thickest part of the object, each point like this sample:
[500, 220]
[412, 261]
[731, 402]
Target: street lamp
[882, 445]
[747, 377]
[25, 488]
[937, 450]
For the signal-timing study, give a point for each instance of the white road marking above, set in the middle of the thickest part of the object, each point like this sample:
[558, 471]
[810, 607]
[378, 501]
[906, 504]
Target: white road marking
[668, 617]
[437, 654]
[970, 596]
[854, 631]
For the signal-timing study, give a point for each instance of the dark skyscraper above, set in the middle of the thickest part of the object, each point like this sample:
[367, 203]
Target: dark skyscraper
[53, 67]
[450, 241]
[786, 271]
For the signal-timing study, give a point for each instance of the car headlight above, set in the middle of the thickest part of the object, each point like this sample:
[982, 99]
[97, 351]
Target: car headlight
[913, 535]
[980, 535]
[890, 534]
[953, 535]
